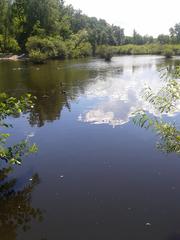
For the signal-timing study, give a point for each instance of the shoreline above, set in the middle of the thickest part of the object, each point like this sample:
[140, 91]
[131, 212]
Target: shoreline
[14, 57]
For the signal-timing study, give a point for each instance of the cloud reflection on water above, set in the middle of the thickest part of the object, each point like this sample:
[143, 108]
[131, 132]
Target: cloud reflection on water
[117, 94]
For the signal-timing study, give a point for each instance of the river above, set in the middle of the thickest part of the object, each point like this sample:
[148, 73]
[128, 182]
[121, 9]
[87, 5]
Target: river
[98, 176]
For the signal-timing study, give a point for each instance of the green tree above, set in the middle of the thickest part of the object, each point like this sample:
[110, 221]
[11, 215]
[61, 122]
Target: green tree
[163, 39]
[7, 41]
[175, 33]
[78, 45]
[137, 38]
[118, 34]
[19, 21]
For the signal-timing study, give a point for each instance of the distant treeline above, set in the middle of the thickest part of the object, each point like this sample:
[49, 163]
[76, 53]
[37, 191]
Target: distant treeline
[159, 49]
[52, 29]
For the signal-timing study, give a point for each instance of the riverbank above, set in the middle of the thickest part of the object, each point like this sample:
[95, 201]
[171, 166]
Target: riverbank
[149, 49]
[13, 57]
[167, 50]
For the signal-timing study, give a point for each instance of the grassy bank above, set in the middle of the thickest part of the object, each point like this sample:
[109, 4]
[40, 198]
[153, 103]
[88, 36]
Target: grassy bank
[41, 49]
[158, 49]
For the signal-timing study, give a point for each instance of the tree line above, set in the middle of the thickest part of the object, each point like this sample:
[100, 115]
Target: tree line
[50, 28]
[24, 24]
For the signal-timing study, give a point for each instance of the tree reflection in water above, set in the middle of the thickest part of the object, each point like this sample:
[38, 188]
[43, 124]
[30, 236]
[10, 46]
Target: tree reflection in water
[166, 100]
[16, 211]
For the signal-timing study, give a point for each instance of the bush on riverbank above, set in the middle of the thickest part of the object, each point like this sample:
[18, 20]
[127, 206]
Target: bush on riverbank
[54, 47]
[106, 52]
[36, 56]
[8, 45]
[41, 48]
[168, 52]
[49, 47]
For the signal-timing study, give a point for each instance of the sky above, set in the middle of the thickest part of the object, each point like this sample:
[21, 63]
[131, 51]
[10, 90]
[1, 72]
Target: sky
[151, 17]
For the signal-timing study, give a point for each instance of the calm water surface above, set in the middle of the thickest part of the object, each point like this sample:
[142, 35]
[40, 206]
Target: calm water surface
[96, 175]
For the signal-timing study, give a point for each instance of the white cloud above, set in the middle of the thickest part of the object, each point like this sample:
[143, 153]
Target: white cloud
[118, 95]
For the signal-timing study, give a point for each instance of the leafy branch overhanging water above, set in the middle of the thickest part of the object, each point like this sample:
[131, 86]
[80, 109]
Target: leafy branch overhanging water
[164, 101]
[10, 106]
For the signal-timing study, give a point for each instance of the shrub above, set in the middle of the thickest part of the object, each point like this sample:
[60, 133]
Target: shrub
[85, 49]
[8, 45]
[60, 50]
[52, 47]
[168, 52]
[130, 49]
[36, 56]
[105, 52]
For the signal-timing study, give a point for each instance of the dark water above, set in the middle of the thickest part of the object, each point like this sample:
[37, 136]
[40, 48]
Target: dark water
[96, 175]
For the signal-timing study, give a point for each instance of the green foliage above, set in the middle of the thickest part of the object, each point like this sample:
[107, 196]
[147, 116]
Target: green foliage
[59, 48]
[168, 133]
[22, 19]
[8, 45]
[164, 101]
[38, 30]
[58, 25]
[12, 106]
[41, 48]
[130, 49]
[105, 52]
[78, 45]
[137, 39]
[168, 52]
[46, 12]
[36, 56]
[163, 39]
[166, 49]
[84, 49]
[175, 33]
[15, 153]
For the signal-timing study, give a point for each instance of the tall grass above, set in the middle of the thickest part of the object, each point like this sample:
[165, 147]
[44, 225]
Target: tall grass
[156, 49]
